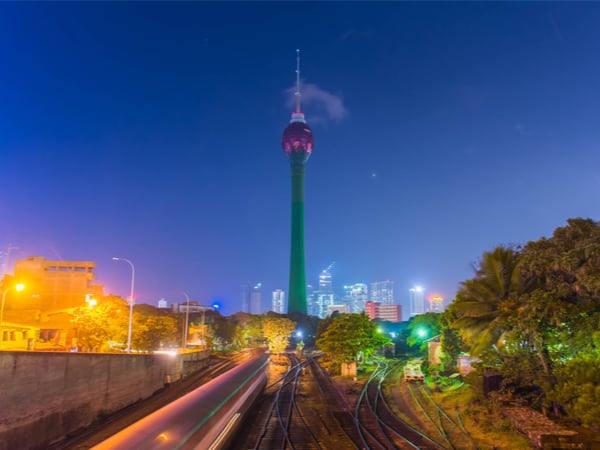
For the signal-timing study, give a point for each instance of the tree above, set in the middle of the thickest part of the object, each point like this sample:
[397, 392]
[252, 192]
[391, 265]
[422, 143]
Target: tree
[349, 334]
[226, 331]
[251, 326]
[152, 331]
[538, 311]
[277, 331]
[101, 324]
[423, 327]
[450, 340]
[485, 305]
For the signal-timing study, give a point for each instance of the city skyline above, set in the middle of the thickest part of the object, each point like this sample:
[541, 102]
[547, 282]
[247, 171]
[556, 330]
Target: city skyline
[152, 131]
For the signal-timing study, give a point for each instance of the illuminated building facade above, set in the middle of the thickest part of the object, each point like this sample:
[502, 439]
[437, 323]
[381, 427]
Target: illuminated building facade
[278, 301]
[297, 143]
[55, 285]
[323, 297]
[251, 298]
[256, 299]
[436, 304]
[341, 308]
[325, 280]
[356, 296]
[390, 313]
[382, 292]
[417, 300]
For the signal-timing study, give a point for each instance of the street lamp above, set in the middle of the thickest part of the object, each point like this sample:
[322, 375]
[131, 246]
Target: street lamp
[130, 300]
[187, 316]
[19, 287]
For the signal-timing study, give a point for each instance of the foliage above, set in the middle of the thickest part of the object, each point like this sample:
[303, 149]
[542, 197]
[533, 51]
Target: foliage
[534, 314]
[450, 340]
[579, 389]
[324, 324]
[307, 324]
[153, 331]
[349, 334]
[251, 326]
[485, 304]
[277, 332]
[227, 331]
[106, 321]
[422, 327]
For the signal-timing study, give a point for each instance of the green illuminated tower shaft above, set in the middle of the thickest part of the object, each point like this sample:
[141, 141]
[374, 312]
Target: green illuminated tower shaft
[297, 287]
[297, 143]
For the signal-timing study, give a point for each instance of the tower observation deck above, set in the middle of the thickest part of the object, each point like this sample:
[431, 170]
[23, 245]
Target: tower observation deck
[297, 143]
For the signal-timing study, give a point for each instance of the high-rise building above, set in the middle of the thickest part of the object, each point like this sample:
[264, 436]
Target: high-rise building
[323, 297]
[297, 143]
[356, 296]
[321, 301]
[246, 288]
[325, 283]
[382, 292]
[256, 299]
[417, 300]
[436, 304]
[278, 301]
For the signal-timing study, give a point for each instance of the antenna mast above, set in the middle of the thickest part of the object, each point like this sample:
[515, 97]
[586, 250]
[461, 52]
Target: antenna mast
[297, 80]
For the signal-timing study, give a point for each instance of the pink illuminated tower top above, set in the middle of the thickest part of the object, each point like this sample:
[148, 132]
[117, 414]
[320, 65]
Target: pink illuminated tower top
[297, 140]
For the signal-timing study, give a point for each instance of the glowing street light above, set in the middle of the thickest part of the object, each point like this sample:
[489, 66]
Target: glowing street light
[18, 287]
[130, 300]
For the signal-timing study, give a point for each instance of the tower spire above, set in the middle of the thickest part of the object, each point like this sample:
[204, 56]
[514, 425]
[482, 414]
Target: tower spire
[297, 80]
[297, 116]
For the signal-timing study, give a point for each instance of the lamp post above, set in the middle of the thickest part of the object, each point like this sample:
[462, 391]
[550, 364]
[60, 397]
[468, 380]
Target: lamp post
[187, 316]
[19, 287]
[130, 300]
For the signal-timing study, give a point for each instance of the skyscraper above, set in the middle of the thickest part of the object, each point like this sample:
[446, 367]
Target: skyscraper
[278, 301]
[356, 296]
[323, 297]
[417, 301]
[246, 297]
[325, 283]
[255, 299]
[382, 292]
[297, 143]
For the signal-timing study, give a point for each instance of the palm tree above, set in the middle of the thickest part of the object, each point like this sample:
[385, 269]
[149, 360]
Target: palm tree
[485, 304]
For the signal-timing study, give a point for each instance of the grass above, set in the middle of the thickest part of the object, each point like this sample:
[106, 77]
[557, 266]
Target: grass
[488, 428]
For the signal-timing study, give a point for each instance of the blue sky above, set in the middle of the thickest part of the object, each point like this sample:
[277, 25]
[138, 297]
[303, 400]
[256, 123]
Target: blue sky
[152, 131]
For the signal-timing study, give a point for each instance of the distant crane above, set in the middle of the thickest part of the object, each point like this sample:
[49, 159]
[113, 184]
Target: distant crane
[329, 267]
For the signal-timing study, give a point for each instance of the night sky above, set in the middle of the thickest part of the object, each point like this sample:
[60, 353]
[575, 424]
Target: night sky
[152, 131]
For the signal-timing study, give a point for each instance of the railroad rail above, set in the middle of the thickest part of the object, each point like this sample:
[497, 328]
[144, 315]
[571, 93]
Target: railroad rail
[379, 426]
[304, 415]
[451, 430]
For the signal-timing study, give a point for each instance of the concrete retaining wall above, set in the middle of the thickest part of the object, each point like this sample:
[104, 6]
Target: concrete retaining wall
[44, 396]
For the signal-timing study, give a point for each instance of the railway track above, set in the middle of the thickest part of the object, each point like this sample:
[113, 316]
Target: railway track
[450, 429]
[300, 416]
[303, 409]
[379, 426]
